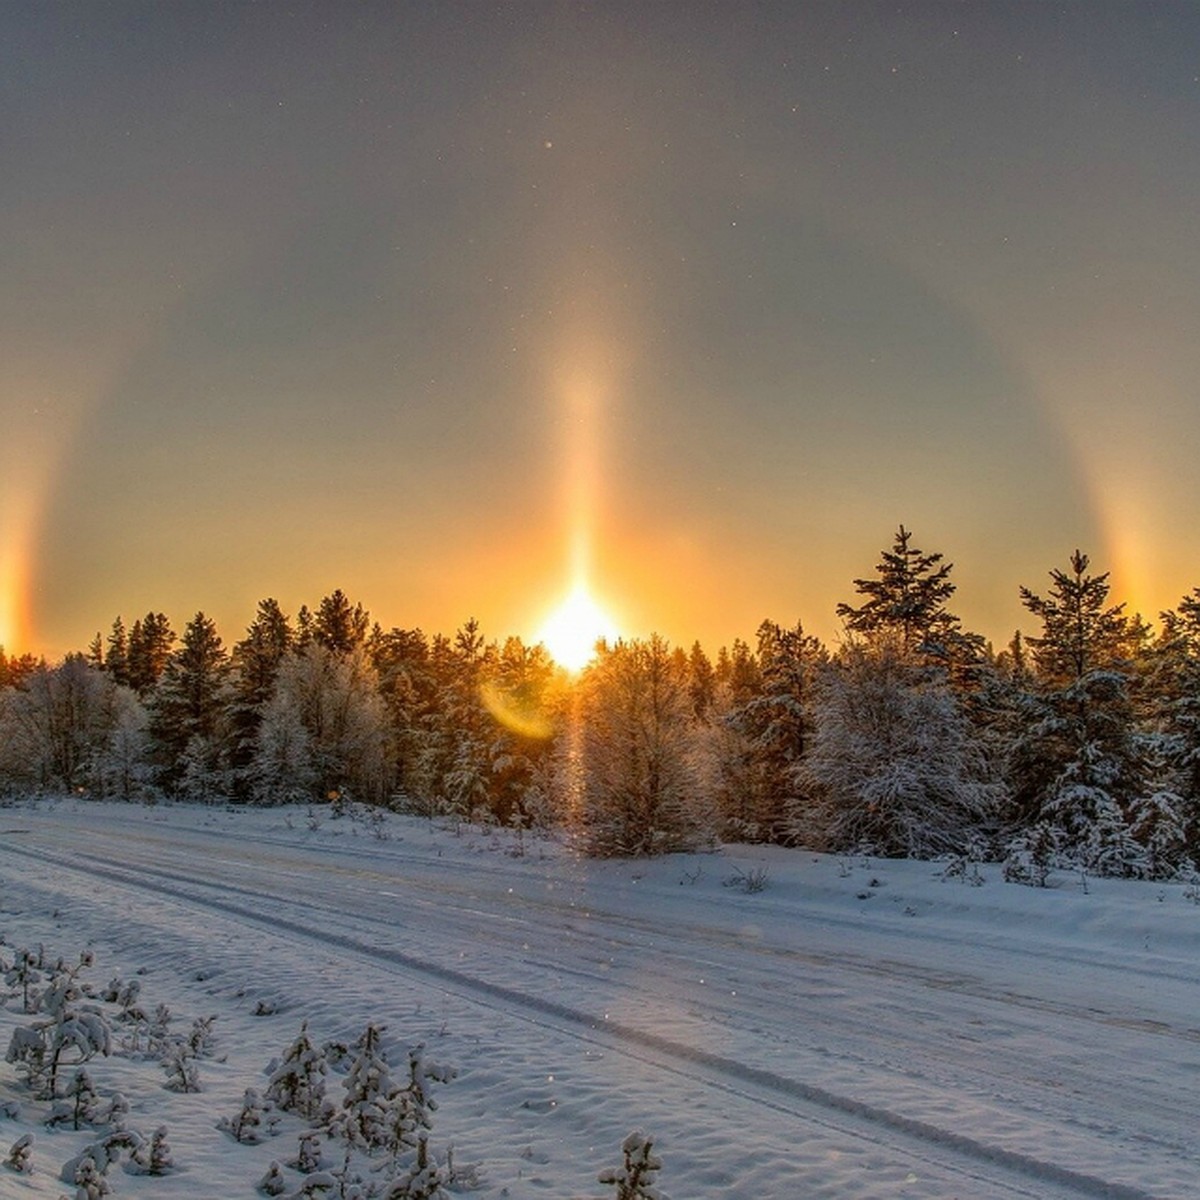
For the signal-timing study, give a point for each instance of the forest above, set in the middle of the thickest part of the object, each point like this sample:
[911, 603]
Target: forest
[1077, 746]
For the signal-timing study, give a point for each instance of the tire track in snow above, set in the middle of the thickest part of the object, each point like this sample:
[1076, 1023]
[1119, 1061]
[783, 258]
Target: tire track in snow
[724, 1068]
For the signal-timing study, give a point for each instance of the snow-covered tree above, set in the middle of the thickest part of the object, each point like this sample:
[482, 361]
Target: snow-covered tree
[891, 763]
[756, 746]
[362, 1119]
[640, 775]
[55, 727]
[906, 605]
[298, 1083]
[20, 1155]
[249, 1125]
[635, 1178]
[187, 712]
[324, 730]
[1077, 764]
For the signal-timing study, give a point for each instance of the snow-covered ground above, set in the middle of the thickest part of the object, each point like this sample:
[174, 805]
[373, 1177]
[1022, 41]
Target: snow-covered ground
[859, 1028]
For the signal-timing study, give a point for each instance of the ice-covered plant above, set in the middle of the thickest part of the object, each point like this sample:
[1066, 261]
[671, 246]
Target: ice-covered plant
[298, 1083]
[251, 1122]
[634, 1179]
[20, 1155]
[363, 1118]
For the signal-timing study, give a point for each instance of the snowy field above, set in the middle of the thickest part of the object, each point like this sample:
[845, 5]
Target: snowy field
[857, 1029]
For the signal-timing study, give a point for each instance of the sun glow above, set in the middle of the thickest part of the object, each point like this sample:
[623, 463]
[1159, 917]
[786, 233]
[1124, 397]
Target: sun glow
[572, 630]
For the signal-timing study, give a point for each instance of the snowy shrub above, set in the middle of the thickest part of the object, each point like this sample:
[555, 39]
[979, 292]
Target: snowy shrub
[89, 1180]
[153, 1157]
[88, 1169]
[200, 1037]
[273, 1183]
[298, 1083]
[634, 1179]
[751, 882]
[252, 1121]
[964, 868]
[363, 1118]
[79, 1103]
[20, 1155]
[308, 1153]
[179, 1063]
[1031, 856]
[159, 1034]
[422, 1179]
[70, 1033]
[24, 974]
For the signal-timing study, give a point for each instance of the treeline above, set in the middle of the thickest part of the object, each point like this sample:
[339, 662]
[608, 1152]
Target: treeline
[912, 737]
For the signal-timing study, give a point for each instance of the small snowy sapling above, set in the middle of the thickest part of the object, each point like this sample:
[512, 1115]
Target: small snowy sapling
[298, 1083]
[634, 1180]
[20, 1155]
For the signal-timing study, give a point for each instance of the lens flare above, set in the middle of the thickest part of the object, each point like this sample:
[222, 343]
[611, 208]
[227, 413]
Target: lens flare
[574, 628]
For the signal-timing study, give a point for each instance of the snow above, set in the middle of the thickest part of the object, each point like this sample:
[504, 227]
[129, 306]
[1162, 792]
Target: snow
[857, 1029]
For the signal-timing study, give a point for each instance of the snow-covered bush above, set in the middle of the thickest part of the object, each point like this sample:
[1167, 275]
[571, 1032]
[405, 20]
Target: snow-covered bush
[634, 1179]
[363, 1117]
[20, 1155]
[252, 1122]
[298, 1083]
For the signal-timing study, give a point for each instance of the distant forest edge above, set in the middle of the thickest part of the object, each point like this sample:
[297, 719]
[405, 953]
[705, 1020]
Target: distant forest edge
[913, 737]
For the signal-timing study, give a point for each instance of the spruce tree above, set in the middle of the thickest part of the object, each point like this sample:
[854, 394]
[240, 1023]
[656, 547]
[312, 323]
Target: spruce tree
[340, 626]
[1077, 766]
[907, 602]
[188, 708]
[150, 643]
[116, 657]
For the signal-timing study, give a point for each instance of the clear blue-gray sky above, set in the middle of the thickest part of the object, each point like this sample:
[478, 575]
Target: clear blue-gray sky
[410, 298]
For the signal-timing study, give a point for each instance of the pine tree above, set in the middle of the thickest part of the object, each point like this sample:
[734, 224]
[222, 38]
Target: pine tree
[298, 1083]
[363, 1118]
[1077, 766]
[188, 708]
[907, 602]
[116, 658]
[339, 626]
[762, 741]
[150, 643]
[635, 1178]
[256, 660]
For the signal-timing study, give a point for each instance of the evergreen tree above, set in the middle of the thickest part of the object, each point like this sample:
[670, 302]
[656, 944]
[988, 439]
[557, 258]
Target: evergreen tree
[116, 658]
[401, 659]
[256, 660]
[150, 643]
[1077, 766]
[187, 711]
[339, 626]
[906, 603]
[702, 681]
[517, 695]
[766, 737]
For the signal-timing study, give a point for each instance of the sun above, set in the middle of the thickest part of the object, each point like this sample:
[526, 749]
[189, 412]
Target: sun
[572, 630]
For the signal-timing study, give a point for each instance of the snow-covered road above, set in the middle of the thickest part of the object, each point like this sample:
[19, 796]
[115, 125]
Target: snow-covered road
[857, 1029]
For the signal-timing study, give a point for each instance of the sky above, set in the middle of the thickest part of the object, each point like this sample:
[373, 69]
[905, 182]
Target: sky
[454, 305]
